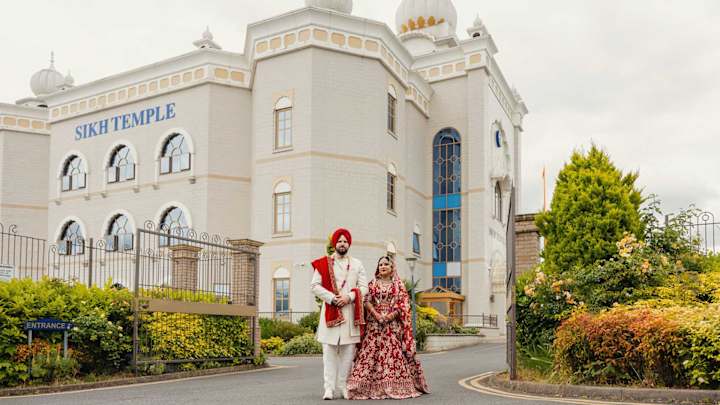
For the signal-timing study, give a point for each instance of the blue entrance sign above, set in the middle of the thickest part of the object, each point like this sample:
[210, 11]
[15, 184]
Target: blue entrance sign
[52, 325]
[125, 121]
[48, 324]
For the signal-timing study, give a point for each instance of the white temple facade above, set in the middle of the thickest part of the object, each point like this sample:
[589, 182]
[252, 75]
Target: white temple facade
[409, 137]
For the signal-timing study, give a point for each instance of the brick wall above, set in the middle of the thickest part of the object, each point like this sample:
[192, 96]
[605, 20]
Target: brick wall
[527, 243]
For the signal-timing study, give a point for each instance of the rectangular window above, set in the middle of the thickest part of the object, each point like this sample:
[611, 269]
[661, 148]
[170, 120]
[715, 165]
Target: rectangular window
[283, 128]
[282, 213]
[391, 179]
[416, 243]
[174, 164]
[391, 113]
[281, 295]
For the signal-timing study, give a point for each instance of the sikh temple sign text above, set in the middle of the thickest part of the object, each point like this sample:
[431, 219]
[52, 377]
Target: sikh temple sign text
[125, 121]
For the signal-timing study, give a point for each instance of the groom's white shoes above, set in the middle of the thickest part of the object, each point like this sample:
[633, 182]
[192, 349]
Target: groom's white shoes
[328, 394]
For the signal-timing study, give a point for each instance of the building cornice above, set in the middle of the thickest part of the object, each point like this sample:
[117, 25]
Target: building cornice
[19, 118]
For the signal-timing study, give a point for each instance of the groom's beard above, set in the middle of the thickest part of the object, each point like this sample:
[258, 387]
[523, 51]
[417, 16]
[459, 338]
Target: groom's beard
[342, 251]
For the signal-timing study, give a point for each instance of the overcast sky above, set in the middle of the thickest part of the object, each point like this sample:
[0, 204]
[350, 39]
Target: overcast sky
[639, 78]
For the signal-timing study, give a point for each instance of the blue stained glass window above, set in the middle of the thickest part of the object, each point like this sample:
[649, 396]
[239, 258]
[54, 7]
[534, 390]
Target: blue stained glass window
[447, 170]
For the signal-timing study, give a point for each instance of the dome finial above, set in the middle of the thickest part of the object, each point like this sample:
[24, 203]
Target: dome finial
[52, 59]
[342, 6]
[207, 40]
[478, 30]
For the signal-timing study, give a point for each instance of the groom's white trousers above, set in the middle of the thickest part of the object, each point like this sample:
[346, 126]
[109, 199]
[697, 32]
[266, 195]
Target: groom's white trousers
[337, 361]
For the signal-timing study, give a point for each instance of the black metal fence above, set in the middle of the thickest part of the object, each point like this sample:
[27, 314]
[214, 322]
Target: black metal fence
[182, 281]
[702, 228]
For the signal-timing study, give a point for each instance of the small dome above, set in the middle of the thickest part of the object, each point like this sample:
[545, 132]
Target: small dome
[69, 80]
[418, 14]
[46, 81]
[343, 6]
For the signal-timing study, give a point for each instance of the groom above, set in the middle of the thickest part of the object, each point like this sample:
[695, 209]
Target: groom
[340, 281]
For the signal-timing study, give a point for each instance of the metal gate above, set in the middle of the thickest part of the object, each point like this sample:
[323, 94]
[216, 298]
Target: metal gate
[195, 285]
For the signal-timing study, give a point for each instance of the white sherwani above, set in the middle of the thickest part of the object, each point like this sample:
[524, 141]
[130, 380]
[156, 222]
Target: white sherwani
[339, 341]
[346, 333]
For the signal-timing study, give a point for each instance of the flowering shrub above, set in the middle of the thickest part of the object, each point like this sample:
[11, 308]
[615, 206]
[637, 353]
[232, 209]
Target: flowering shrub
[274, 345]
[543, 301]
[672, 347]
[303, 344]
[103, 345]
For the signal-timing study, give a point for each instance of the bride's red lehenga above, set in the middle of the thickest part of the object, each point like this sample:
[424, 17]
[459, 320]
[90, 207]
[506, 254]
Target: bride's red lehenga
[386, 366]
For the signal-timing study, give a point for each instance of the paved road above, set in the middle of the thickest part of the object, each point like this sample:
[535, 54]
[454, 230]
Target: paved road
[298, 382]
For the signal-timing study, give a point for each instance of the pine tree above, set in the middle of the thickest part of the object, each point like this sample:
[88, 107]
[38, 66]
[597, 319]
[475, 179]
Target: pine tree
[592, 207]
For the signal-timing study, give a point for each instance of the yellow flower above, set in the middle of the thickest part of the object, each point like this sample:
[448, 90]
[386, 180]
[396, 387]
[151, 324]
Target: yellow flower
[645, 266]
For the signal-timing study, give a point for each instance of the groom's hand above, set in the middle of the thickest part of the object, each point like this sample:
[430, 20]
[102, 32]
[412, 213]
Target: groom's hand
[341, 300]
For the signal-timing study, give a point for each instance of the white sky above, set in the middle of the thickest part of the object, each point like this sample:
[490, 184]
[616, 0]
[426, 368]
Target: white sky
[639, 77]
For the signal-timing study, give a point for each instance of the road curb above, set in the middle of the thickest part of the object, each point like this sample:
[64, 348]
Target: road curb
[619, 394]
[51, 389]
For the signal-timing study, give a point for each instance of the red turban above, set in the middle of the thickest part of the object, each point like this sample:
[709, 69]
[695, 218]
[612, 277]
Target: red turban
[341, 232]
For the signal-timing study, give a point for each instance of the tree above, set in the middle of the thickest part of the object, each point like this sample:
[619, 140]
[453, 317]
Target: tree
[593, 206]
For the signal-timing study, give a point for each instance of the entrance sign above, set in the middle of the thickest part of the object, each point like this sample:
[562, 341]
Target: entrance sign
[7, 272]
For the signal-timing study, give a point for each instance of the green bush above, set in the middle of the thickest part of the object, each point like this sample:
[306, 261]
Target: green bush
[22, 300]
[190, 336]
[274, 345]
[103, 346]
[671, 346]
[303, 344]
[310, 321]
[593, 205]
[277, 327]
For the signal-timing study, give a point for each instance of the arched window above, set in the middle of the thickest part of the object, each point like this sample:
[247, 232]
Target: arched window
[392, 110]
[447, 246]
[498, 205]
[283, 123]
[391, 187]
[281, 292]
[73, 174]
[121, 166]
[72, 240]
[119, 235]
[173, 222]
[175, 155]
[281, 208]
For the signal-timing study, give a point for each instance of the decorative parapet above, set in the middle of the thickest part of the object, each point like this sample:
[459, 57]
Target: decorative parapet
[337, 40]
[185, 78]
[24, 119]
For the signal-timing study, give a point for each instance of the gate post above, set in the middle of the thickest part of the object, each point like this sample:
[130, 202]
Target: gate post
[184, 267]
[245, 281]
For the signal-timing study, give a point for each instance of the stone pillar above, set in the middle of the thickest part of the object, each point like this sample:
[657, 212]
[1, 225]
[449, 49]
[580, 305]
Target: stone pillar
[184, 267]
[245, 280]
[527, 243]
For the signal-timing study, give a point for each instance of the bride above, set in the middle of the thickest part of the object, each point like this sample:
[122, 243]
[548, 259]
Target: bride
[386, 367]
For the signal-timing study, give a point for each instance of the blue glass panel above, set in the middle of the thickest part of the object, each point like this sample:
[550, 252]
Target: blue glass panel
[439, 202]
[439, 269]
[453, 201]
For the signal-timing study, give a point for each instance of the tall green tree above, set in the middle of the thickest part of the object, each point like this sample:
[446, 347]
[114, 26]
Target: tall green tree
[593, 205]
